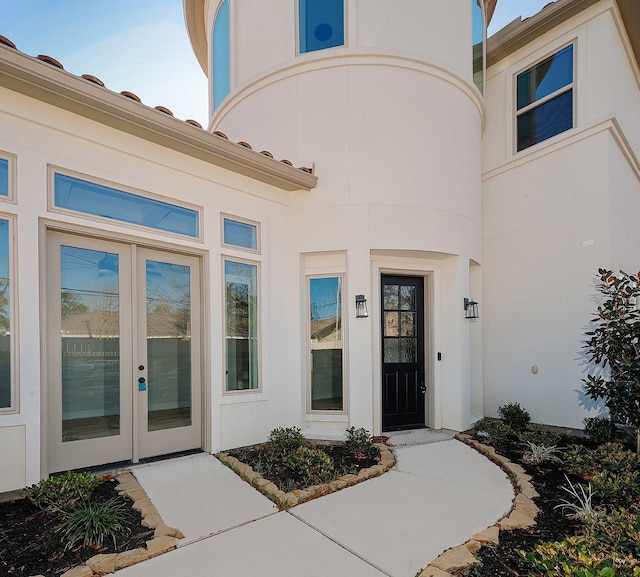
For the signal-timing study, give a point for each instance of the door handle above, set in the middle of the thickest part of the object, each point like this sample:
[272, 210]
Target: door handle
[423, 388]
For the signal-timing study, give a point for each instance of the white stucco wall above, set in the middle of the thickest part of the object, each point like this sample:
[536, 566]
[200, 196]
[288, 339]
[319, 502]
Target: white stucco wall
[553, 214]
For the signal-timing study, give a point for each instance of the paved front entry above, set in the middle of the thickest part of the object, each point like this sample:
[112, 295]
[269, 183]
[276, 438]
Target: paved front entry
[437, 496]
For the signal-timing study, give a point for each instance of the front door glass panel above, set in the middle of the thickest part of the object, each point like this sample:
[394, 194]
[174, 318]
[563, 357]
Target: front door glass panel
[90, 343]
[168, 345]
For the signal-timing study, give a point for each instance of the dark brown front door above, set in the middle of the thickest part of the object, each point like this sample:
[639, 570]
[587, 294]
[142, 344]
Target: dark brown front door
[403, 381]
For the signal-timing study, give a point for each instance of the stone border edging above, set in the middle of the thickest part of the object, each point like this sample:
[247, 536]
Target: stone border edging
[293, 498]
[521, 515]
[165, 538]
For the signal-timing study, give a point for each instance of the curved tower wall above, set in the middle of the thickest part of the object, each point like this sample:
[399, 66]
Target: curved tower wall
[392, 122]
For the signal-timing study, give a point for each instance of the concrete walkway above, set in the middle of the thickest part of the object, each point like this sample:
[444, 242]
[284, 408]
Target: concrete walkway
[436, 497]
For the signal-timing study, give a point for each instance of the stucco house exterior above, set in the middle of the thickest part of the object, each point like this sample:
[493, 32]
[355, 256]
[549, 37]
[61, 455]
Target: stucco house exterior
[390, 222]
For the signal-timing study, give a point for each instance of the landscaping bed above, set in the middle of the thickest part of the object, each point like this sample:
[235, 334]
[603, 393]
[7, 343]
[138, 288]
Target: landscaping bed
[589, 519]
[35, 540]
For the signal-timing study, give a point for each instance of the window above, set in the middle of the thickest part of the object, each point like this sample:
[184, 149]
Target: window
[325, 343]
[321, 24]
[221, 78]
[89, 198]
[477, 39]
[240, 234]
[241, 325]
[545, 99]
[4, 177]
[6, 388]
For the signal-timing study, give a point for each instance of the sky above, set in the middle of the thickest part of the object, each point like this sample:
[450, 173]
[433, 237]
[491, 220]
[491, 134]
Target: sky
[140, 45]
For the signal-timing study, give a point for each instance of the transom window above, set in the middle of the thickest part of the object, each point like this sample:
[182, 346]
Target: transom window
[321, 24]
[241, 326]
[545, 99]
[326, 344]
[240, 234]
[221, 76]
[99, 200]
[6, 381]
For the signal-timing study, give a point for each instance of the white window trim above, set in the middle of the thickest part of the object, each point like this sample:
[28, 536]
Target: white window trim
[345, 396]
[245, 394]
[571, 86]
[51, 207]
[226, 216]
[14, 406]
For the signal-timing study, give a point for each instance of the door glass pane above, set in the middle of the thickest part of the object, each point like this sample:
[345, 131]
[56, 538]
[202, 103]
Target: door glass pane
[408, 298]
[325, 310]
[390, 297]
[241, 325]
[391, 350]
[90, 344]
[408, 353]
[408, 324]
[391, 324]
[168, 345]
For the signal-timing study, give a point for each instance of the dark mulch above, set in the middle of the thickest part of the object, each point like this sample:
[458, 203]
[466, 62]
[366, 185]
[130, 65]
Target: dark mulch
[551, 524]
[31, 542]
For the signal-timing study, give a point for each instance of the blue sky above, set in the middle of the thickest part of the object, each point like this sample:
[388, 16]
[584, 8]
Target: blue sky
[139, 45]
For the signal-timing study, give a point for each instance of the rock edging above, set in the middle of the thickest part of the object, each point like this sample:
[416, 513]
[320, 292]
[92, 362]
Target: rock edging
[287, 500]
[522, 514]
[165, 538]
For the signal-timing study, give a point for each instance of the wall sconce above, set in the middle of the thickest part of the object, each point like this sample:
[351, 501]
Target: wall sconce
[470, 309]
[361, 307]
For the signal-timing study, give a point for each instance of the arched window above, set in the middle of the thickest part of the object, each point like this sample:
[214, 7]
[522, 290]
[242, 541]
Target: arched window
[320, 24]
[478, 29]
[221, 54]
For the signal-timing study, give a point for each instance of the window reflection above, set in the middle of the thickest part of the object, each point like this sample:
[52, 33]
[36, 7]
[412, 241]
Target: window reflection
[4, 177]
[325, 322]
[5, 318]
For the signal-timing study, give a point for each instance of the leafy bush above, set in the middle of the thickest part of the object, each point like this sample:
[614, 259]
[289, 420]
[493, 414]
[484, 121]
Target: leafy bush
[59, 492]
[286, 439]
[493, 428]
[359, 445]
[576, 557]
[91, 524]
[310, 465]
[599, 429]
[514, 416]
[616, 533]
[540, 435]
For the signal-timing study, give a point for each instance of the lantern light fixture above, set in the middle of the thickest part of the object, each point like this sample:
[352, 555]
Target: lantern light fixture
[470, 309]
[361, 307]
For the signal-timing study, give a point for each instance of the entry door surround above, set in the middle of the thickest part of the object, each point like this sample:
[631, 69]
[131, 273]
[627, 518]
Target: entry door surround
[124, 376]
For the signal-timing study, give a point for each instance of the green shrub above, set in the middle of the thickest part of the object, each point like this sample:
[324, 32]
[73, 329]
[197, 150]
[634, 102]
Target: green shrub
[616, 533]
[540, 435]
[576, 557]
[599, 430]
[514, 416]
[286, 439]
[91, 524]
[493, 428]
[536, 454]
[359, 445]
[60, 492]
[310, 465]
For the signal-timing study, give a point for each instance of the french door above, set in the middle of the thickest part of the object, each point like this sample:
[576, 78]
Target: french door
[124, 340]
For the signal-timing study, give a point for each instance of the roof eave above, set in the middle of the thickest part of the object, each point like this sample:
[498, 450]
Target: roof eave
[520, 32]
[36, 79]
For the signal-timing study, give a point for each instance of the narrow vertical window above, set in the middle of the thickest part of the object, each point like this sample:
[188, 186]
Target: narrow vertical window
[241, 326]
[321, 24]
[6, 400]
[221, 77]
[4, 177]
[478, 39]
[545, 99]
[325, 344]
